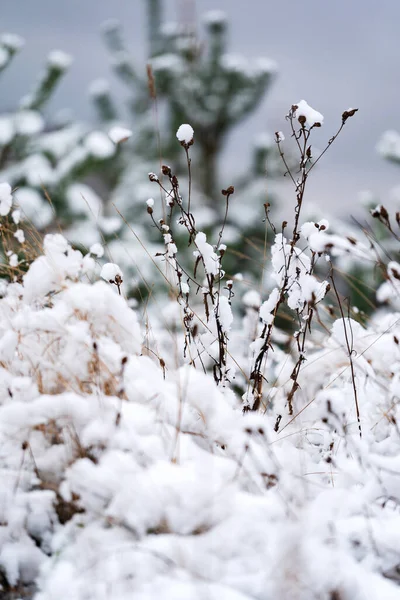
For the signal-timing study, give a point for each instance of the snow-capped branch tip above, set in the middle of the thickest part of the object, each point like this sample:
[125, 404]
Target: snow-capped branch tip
[350, 112]
[279, 137]
[216, 21]
[57, 59]
[112, 273]
[306, 115]
[150, 205]
[153, 177]
[185, 135]
[11, 41]
[119, 135]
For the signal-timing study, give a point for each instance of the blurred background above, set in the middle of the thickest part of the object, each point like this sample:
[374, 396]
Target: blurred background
[333, 54]
[232, 70]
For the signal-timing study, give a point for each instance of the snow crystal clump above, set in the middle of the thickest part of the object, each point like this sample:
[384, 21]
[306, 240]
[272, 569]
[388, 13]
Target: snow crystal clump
[82, 199]
[119, 134]
[28, 122]
[120, 476]
[311, 116]
[5, 199]
[215, 17]
[206, 251]
[225, 314]
[267, 308]
[20, 236]
[97, 250]
[16, 216]
[4, 56]
[99, 87]
[185, 134]
[111, 272]
[12, 41]
[59, 59]
[33, 207]
[56, 269]
[99, 145]
[7, 129]
[264, 66]
[252, 299]
[389, 145]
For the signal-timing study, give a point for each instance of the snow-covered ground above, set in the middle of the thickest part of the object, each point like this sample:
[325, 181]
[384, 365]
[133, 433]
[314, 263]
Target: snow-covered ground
[123, 476]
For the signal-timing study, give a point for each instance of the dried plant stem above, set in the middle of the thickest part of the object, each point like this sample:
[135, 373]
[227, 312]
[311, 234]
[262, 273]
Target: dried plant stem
[350, 351]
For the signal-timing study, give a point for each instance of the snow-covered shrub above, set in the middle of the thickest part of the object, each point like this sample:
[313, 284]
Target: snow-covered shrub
[123, 476]
[48, 160]
[92, 182]
[187, 81]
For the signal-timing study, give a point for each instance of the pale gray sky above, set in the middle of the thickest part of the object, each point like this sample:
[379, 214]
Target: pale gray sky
[334, 54]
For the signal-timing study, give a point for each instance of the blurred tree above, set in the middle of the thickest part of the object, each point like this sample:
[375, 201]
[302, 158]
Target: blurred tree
[87, 175]
[41, 157]
[201, 84]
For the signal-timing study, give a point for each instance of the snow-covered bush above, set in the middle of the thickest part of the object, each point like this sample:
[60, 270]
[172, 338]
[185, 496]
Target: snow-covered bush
[84, 179]
[126, 475]
[47, 160]
[192, 448]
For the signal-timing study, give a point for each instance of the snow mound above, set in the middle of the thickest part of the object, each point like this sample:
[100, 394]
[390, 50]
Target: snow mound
[123, 479]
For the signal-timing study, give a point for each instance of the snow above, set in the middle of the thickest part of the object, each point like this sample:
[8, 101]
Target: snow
[7, 130]
[99, 87]
[16, 216]
[252, 299]
[4, 56]
[206, 251]
[267, 308]
[109, 225]
[234, 62]
[5, 199]
[33, 207]
[12, 41]
[185, 288]
[172, 491]
[225, 314]
[99, 145]
[389, 145]
[82, 199]
[185, 133]
[97, 250]
[215, 17]
[59, 59]
[19, 235]
[13, 259]
[127, 472]
[312, 117]
[61, 142]
[28, 122]
[110, 272]
[167, 63]
[119, 134]
[265, 66]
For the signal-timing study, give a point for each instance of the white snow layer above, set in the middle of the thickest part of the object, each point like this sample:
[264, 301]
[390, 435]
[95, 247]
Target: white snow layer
[121, 479]
[5, 199]
[119, 134]
[185, 133]
[311, 116]
[59, 59]
[110, 271]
